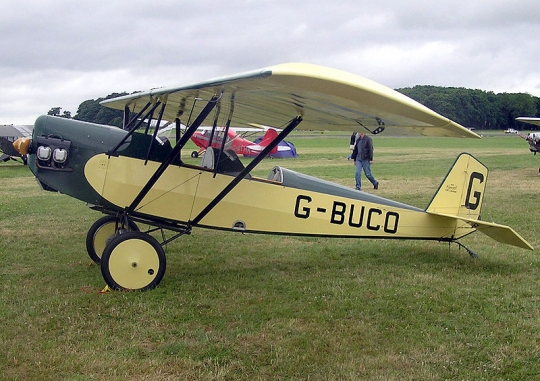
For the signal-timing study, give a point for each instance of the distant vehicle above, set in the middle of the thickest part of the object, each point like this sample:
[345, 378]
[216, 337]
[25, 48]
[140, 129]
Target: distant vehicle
[511, 131]
[8, 134]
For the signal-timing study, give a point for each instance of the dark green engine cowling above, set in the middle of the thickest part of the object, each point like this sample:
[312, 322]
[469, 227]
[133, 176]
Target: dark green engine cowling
[60, 149]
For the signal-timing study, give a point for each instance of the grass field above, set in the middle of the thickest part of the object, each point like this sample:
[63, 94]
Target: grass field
[252, 307]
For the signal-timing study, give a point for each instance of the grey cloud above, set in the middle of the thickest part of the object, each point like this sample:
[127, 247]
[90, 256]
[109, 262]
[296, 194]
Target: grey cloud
[60, 52]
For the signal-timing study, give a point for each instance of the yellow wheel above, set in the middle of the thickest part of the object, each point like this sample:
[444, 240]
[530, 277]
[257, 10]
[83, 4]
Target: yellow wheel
[101, 233]
[133, 261]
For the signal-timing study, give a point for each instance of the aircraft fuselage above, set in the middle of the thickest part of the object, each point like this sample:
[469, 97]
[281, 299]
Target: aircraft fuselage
[295, 204]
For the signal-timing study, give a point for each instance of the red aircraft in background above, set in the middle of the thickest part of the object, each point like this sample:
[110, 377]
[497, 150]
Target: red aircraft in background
[239, 144]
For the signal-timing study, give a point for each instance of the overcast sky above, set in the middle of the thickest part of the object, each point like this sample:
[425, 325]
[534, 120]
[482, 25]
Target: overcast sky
[59, 53]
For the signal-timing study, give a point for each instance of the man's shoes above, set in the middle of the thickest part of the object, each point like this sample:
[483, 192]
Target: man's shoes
[376, 186]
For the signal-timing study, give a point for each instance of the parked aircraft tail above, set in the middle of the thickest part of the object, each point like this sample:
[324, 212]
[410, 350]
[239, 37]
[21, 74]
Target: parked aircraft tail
[461, 194]
[268, 137]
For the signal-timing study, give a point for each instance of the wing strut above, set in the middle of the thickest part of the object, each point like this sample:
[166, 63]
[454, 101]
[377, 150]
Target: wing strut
[135, 126]
[175, 151]
[155, 131]
[225, 134]
[177, 125]
[292, 124]
[214, 125]
[376, 131]
[126, 118]
[134, 119]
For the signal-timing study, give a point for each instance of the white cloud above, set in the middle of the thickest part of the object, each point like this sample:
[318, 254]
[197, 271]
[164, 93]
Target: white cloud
[61, 53]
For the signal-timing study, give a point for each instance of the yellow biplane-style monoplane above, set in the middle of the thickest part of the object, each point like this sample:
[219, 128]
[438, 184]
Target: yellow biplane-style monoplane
[137, 178]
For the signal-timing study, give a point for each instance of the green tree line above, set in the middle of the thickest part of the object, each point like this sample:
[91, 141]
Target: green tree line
[482, 110]
[91, 111]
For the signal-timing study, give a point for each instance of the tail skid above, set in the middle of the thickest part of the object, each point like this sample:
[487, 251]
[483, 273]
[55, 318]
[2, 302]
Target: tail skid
[461, 195]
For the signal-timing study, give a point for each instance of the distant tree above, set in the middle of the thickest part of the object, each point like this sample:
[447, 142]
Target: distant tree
[515, 105]
[476, 108]
[92, 111]
[443, 103]
[87, 110]
[57, 111]
[537, 102]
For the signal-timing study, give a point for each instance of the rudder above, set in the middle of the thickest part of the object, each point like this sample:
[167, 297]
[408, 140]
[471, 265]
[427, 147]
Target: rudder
[268, 138]
[462, 191]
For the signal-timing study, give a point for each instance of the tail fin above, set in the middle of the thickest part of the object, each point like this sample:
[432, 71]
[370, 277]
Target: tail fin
[462, 191]
[461, 194]
[268, 137]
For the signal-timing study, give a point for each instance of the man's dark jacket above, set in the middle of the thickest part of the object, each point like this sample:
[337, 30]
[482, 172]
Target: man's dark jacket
[367, 148]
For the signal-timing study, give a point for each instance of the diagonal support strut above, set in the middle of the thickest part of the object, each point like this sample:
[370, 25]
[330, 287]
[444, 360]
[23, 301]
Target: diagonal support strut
[175, 151]
[292, 124]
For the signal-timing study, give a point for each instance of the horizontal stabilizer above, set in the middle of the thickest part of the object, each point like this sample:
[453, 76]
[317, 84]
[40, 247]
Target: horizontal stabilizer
[500, 233]
[503, 234]
[460, 196]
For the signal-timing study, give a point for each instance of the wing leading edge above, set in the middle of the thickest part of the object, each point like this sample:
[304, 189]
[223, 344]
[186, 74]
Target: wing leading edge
[530, 120]
[325, 98]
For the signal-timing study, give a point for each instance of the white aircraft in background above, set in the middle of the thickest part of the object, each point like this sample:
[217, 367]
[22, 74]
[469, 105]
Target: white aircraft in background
[532, 138]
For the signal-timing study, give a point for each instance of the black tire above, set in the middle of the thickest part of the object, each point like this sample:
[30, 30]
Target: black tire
[101, 233]
[133, 261]
[194, 154]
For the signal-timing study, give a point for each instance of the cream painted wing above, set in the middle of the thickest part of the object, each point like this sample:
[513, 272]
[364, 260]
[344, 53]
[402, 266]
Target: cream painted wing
[325, 98]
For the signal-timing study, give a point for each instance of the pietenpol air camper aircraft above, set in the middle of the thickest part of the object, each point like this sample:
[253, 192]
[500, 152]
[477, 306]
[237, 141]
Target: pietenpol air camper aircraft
[135, 178]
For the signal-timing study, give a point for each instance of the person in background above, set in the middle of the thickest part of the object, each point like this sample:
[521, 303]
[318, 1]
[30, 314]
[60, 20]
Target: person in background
[354, 136]
[362, 157]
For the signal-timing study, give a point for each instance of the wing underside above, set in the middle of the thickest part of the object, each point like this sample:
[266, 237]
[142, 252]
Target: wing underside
[325, 98]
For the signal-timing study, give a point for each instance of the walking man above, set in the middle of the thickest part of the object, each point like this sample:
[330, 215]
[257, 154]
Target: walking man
[362, 157]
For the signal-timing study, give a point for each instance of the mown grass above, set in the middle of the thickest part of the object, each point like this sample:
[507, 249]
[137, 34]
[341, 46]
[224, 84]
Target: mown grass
[250, 307]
